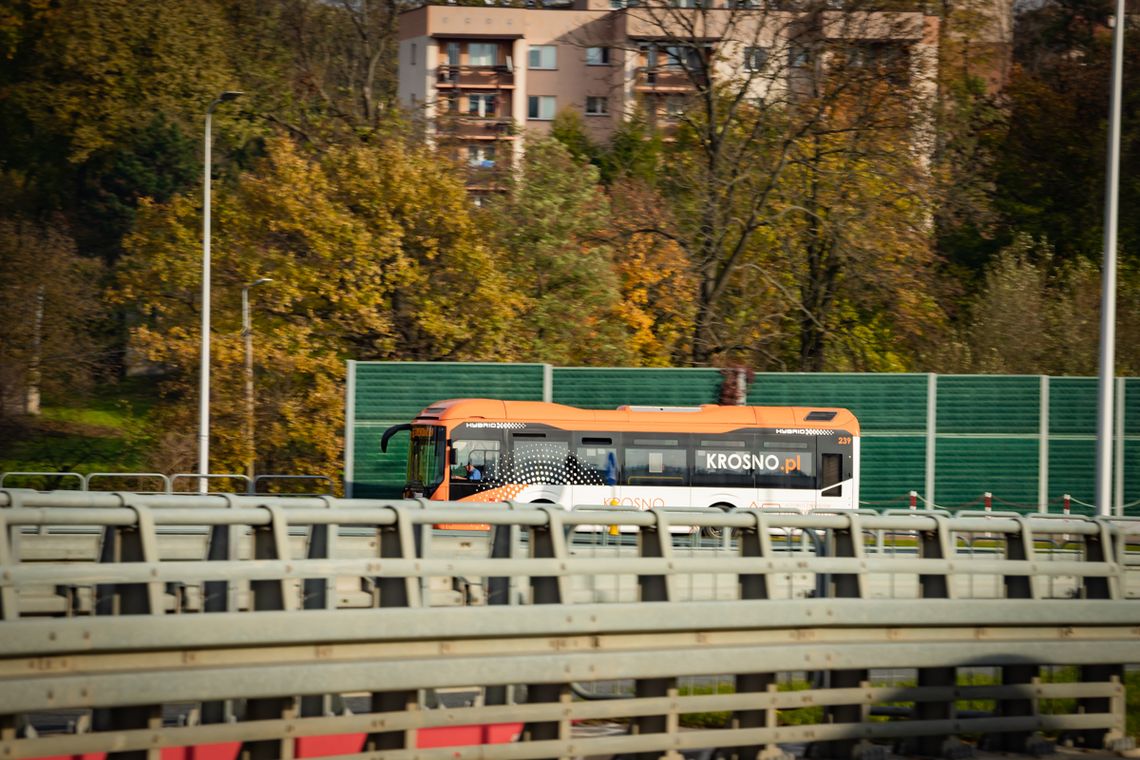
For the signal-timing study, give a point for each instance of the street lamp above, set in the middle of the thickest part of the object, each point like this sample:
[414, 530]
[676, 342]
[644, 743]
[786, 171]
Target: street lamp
[247, 336]
[204, 378]
[1107, 360]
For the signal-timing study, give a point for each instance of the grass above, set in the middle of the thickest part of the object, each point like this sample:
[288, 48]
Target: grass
[100, 433]
[811, 715]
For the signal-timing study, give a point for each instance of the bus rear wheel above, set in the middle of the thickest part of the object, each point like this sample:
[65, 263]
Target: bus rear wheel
[717, 531]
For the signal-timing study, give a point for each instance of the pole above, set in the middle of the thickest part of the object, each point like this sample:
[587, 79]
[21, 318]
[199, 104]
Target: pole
[204, 369]
[247, 336]
[1108, 278]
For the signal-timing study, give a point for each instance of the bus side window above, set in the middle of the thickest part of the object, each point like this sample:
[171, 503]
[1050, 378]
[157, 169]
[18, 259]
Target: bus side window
[597, 458]
[481, 453]
[650, 462]
[831, 475]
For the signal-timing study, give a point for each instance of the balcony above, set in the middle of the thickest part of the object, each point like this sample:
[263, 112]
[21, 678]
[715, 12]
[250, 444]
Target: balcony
[664, 80]
[461, 127]
[475, 77]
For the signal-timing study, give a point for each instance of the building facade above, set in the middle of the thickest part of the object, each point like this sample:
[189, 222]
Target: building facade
[480, 76]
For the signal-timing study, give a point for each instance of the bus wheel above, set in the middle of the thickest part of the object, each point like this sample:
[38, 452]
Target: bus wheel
[717, 531]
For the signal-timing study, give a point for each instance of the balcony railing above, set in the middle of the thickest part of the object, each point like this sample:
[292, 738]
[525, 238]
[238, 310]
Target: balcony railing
[666, 80]
[474, 76]
[475, 128]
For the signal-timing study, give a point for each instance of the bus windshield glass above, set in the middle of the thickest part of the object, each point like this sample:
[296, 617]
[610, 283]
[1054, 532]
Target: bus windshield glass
[426, 458]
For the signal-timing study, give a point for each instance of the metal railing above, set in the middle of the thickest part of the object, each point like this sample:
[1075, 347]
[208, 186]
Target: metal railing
[183, 482]
[279, 626]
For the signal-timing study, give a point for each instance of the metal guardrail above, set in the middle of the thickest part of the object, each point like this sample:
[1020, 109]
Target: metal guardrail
[278, 626]
[168, 482]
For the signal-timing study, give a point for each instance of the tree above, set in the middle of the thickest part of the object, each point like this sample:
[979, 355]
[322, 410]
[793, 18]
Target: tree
[100, 97]
[1039, 314]
[569, 129]
[971, 118]
[49, 299]
[772, 85]
[655, 279]
[373, 255]
[858, 241]
[1050, 180]
[326, 71]
[559, 260]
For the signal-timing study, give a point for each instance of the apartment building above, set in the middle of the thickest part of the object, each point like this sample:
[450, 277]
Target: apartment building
[482, 75]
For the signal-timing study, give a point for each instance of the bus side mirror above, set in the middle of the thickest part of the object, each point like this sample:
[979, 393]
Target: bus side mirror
[391, 432]
[452, 457]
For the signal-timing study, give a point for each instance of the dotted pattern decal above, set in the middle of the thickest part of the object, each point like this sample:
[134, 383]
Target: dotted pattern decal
[539, 464]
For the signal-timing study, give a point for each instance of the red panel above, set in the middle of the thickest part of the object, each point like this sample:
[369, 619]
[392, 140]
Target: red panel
[338, 744]
[224, 751]
[324, 746]
[455, 736]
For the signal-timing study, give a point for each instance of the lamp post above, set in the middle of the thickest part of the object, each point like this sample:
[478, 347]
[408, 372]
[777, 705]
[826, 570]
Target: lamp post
[1107, 362]
[204, 377]
[247, 336]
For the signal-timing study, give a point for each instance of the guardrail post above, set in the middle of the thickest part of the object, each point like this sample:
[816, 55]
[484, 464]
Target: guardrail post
[271, 542]
[498, 592]
[395, 541]
[756, 543]
[220, 596]
[132, 543]
[1100, 549]
[320, 594]
[1019, 548]
[547, 541]
[936, 544]
[9, 606]
[845, 542]
[655, 541]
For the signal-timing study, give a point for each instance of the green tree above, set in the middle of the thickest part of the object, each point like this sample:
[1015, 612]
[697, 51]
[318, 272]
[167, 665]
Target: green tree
[569, 129]
[1050, 178]
[1039, 314]
[559, 260]
[99, 100]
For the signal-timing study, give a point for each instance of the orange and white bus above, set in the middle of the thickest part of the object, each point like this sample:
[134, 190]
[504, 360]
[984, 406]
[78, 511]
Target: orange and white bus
[724, 457]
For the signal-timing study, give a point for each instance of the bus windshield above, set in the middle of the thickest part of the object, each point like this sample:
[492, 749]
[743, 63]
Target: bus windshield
[426, 458]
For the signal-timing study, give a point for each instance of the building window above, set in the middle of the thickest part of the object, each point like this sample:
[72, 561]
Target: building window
[681, 56]
[483, 53]
[799, 57]
[755, 58]
[481, 105]
[542, 57]
[540, 107]
[453, 54]
[413, 61]
[597, 56]
[597, 106]
[482, 156]
[675, 106]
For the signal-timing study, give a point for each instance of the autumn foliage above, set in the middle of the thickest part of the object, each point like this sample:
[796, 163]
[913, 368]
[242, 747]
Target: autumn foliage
[867, 222]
